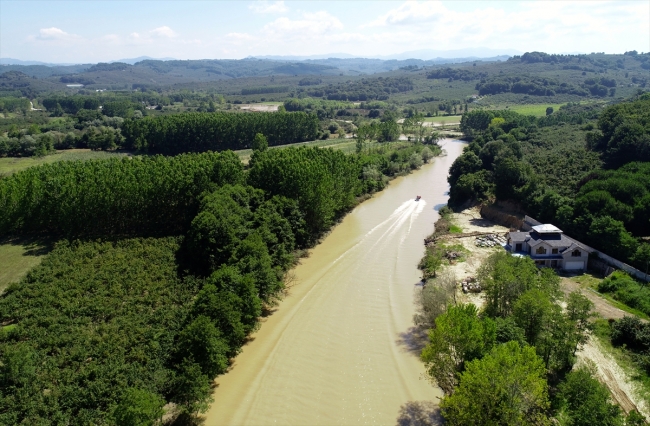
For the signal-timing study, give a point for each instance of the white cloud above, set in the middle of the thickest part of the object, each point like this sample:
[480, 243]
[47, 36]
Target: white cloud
[163, 32]
[413, 12]
[55, 34]
[264, 6]
[553, 26]
[310, 24]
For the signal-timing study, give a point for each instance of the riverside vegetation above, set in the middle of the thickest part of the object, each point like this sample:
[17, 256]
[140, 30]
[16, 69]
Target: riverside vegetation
[163, 266]
[583, 168]
[512, 362]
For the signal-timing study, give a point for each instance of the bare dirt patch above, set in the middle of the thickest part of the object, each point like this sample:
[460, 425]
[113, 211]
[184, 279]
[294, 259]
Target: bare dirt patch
[260, 107]
[609, 372]
[470, 221]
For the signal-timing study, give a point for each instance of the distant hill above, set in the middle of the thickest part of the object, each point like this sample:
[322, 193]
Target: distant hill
[533, 77]
[302, 58]
[446, 56]
[462, 55]
[11, 61]
[132, 61]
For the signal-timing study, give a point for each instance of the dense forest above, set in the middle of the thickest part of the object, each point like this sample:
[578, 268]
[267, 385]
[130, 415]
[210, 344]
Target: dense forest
[584, 170]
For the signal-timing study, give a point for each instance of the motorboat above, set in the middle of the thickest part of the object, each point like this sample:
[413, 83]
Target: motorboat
[417, 198]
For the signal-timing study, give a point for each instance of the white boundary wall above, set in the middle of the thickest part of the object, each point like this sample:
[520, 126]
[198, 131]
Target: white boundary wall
[529, 222]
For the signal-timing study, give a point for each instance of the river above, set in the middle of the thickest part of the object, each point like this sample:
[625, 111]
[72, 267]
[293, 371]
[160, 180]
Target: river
[336, 351]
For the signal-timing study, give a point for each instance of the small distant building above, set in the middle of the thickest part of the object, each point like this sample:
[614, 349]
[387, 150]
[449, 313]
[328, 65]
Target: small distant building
[549, 247]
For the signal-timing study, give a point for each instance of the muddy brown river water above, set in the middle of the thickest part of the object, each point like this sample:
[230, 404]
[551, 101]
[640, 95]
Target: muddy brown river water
[337, 350]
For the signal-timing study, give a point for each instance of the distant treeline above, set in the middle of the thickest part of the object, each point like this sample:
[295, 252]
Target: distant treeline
[456, 74]
[315, 104]
[598, 60]
[111, 106]
[264, 89]
[539, 86]
[11, 104]
[366, 89]
[198, 132]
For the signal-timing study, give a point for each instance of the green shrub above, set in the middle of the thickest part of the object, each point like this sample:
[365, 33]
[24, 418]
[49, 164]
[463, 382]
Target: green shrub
[627, 290]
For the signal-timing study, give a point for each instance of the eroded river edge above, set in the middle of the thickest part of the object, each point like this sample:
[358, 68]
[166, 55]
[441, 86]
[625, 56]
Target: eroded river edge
[337, 349]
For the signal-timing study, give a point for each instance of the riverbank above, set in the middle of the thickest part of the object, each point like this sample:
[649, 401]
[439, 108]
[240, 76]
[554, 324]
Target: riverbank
[618, 376]
[337, 348]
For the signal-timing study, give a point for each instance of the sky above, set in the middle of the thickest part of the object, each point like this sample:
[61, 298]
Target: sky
[85, 31]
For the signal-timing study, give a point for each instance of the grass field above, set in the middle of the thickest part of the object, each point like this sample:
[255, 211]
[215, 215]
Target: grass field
[18, 256]
[348, 146]
[11, 165]
[444, 119]
[538, 110]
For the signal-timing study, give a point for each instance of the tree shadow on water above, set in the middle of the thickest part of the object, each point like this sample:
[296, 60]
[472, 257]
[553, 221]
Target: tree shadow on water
[419, 413]
[413, 340]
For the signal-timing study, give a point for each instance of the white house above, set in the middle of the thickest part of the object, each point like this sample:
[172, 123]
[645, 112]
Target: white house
[548, 246]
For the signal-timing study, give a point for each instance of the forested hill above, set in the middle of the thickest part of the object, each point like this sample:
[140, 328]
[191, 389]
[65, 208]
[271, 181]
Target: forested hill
[533, 76]
[582, 168]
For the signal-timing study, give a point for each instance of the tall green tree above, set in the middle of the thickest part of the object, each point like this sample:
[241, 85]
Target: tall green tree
[260, 143]
[584, 401]
[191, 388]
[506, 387]
[139, 407]
[458, 337]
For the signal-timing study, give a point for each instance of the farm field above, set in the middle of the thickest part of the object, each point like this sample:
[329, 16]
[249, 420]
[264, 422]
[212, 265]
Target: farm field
[9, 165]
[444, 119]
[17, 257]
[538, 110]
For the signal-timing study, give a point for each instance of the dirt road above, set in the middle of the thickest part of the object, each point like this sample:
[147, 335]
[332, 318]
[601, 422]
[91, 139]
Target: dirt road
[601, 306]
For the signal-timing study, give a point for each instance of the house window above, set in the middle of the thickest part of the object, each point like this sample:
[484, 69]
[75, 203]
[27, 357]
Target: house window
[540, 262]
[540, 250]
[518, 247]
[553, 263]
[554, 251]
[576, 253]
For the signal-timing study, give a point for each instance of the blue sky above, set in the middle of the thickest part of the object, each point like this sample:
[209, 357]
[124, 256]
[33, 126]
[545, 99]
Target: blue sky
[93, 31]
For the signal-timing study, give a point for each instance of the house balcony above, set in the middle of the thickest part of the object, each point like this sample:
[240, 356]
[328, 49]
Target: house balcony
[545, 256]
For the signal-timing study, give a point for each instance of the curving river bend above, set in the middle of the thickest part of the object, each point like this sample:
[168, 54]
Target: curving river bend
[337, 351]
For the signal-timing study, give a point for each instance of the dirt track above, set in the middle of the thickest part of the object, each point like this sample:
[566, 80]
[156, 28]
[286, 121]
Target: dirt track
[601, 306]
[609, 372]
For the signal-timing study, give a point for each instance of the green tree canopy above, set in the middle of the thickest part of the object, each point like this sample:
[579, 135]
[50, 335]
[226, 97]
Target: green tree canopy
[458, 337]
[139, 407]
[506, 387]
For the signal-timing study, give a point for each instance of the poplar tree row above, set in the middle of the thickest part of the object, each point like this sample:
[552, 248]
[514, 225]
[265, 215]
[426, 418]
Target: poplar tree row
[142, 195]
[198, 132]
